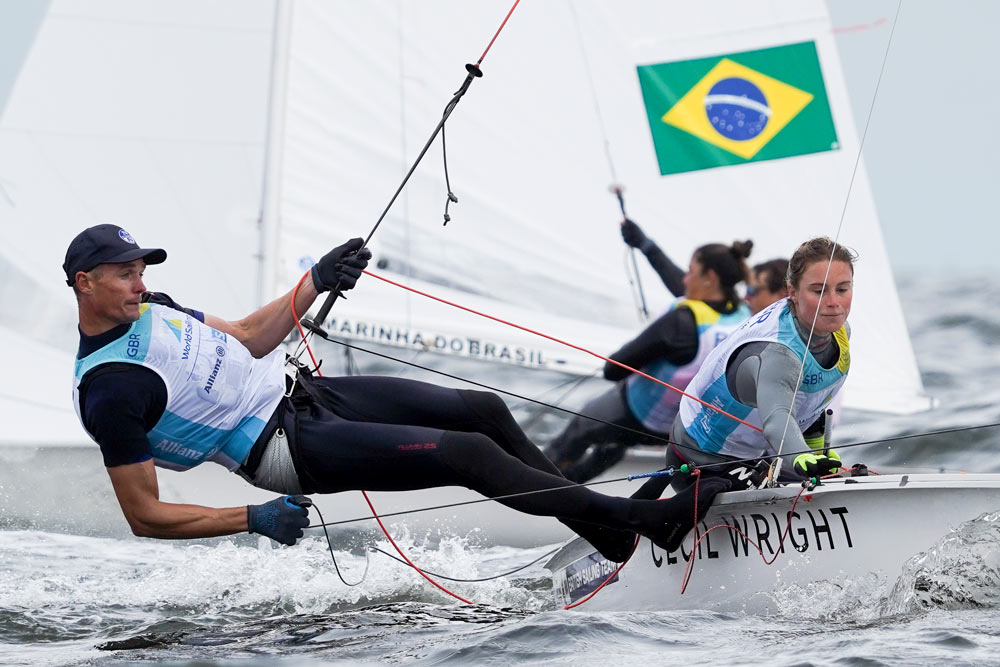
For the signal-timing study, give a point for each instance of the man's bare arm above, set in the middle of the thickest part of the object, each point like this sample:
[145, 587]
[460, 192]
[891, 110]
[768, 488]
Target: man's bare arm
[262, 331]
[138, 494]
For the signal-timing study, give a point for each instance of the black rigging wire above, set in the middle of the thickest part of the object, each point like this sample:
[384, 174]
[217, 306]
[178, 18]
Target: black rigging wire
[333, 557]
[495, 576]
[651, 436]
[364, 575]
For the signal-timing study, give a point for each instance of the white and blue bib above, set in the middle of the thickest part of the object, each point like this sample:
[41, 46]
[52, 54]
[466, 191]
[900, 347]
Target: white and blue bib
[219, 397]
[717, 433]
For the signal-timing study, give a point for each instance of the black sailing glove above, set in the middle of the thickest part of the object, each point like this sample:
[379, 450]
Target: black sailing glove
[282, 519]
[341, 267]
[634, 236]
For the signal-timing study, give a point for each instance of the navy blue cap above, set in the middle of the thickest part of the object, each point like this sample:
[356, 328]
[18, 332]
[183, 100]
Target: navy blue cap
[105, 244]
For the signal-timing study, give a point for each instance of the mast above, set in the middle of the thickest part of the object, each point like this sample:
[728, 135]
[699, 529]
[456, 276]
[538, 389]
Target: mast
[270, 209]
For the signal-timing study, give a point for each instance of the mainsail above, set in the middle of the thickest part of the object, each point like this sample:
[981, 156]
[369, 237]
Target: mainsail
[155, 116]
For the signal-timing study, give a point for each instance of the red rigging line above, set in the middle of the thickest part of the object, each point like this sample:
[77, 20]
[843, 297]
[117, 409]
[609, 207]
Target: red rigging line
[689, 570]
[298, 325]
[305, 340]
[497, 33]
[567, 344]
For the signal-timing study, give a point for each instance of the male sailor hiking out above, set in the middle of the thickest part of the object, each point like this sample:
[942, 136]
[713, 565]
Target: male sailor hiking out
[755, 375]
[159, 384]
[638, 410]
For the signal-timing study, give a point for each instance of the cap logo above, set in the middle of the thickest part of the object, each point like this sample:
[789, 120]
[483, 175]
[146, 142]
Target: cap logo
[125, 236]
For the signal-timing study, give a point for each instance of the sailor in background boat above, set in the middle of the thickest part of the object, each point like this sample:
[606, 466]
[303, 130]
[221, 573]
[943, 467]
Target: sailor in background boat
[159, 384]
[672, 348]
[766, 284]
[755, 375]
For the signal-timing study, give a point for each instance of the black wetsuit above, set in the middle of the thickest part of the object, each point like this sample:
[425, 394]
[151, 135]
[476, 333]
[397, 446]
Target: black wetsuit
[671, 274]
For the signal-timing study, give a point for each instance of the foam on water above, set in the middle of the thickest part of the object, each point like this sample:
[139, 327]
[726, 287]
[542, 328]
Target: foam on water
[962, 571]
[182, 578]
[75, 593]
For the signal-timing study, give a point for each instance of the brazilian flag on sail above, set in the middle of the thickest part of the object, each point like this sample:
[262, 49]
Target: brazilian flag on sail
[736, 108]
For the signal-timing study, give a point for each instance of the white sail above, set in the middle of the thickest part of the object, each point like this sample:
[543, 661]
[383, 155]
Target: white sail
[150, 115]
[534, 237]
[154, 116]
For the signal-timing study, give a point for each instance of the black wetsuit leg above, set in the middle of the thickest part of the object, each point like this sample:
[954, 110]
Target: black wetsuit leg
[392, 434]
[412, 403]
[609, 438]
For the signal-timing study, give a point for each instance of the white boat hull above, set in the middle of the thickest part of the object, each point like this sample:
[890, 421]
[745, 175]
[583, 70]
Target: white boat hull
[839, 531]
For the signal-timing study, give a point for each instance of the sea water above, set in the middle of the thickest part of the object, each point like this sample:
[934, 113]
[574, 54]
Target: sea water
[77, 588]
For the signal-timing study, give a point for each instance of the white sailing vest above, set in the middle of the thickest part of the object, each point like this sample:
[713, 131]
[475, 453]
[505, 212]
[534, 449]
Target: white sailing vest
[717, 433]
[655, 405]
[219, 397]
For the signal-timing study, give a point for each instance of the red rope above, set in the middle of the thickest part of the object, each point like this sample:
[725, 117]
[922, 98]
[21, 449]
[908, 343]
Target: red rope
[781, 542]
[497, 34]
[395, 546]
[788, 525]
[295, 316]
[567, 344]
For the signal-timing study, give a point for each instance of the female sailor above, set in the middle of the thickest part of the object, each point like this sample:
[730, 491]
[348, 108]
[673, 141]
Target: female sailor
[778, 371]
[638, 410]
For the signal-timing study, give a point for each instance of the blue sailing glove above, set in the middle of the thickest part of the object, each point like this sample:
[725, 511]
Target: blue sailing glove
[341, 267]
[817, 465]
[282, 519]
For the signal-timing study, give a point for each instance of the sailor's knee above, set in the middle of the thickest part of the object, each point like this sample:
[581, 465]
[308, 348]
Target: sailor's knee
[485, 403]
[470, 456]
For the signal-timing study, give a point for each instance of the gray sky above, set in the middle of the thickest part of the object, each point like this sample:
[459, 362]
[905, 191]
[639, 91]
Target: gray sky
[931, 148]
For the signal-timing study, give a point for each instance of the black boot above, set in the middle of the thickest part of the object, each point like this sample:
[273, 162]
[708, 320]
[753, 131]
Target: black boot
[617, 545]
[677, 513]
